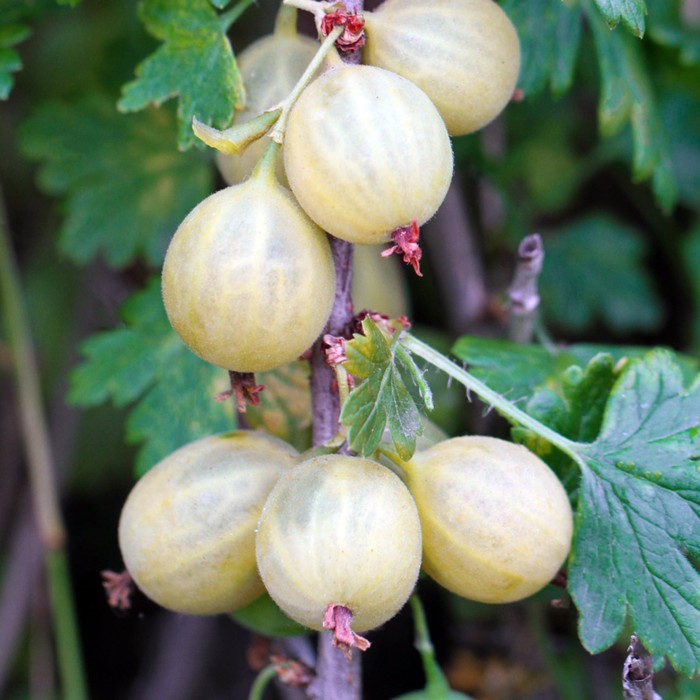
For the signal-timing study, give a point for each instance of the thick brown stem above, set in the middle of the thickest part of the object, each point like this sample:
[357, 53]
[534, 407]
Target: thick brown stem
[336, 677]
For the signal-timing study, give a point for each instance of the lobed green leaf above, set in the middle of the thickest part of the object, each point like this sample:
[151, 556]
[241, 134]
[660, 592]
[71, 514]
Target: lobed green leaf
[195, 63]
[627, 96]
[630, 12]
[638, 520]
[595, 271]
[145, 362]
[550, 34]
[126, 188]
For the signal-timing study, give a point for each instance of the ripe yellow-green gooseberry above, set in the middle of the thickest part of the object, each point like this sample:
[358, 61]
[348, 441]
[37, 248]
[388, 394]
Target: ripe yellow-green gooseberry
[366, 153]
[270, 68]
[465, 54]
[187, 529]
[339, 531]
[497, 523]
[248, 280]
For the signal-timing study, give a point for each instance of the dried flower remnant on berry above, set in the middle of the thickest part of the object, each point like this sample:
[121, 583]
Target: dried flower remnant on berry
[334, 349]
[353, 37]
[338, 619]
[406, 244]
[118, 587]
[244, 389]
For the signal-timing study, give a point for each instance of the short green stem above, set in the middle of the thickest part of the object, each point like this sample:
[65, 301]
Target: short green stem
[70, 659]
[277, 132]
[436, 683]
[491, 397]
[262, 680]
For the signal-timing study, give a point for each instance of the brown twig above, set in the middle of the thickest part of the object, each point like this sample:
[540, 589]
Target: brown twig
[523, 299]
[638, 673]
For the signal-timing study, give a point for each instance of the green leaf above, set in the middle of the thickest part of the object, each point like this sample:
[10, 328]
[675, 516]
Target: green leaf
[145, 362]
[679, 113]
[667, 27]
[636, 544]
[13, 30]
[627, 96]
[638, 520]
[631, 12]
[573, 404]
[194, 63]
[594, 271]
[126, 188]
[383, 397]
[550, 33]
[517, 371]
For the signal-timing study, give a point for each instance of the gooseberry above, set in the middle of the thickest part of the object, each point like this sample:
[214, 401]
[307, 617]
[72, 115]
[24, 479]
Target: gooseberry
[339, 532]
[496, 521]
[187, 529]
[366, 153]
[248, 279]
[464, 54]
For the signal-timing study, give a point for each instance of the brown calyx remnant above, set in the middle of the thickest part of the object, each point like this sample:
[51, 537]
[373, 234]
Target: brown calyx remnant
[335, 349]
[291, 671]
[406, 244]
[338, 619]
[244, 389]
[119, 587]
[353, 37]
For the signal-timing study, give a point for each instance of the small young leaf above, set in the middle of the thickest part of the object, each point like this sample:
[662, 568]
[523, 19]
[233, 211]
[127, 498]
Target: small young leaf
[638, 521]
[195, 63]
[127, 189]
[382, 398]
[631, 12]
[145, 362]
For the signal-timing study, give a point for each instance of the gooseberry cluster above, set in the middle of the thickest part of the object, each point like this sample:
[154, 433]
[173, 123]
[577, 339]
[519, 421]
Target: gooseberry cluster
[337, 539]
[248, 279]
[248, 283]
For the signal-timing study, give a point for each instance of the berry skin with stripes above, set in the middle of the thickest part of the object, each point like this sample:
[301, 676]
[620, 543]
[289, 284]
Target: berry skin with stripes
[465, 55]
[366, 153]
